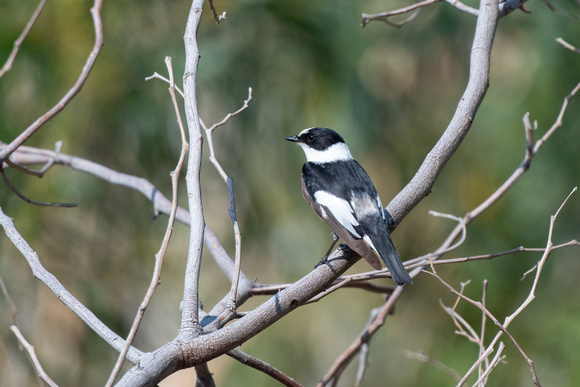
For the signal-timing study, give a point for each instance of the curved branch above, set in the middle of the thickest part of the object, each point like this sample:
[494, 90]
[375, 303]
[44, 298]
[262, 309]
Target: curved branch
[89, 64]
[421, 184]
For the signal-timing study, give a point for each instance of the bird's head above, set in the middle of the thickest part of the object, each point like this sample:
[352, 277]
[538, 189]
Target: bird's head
[321, 145]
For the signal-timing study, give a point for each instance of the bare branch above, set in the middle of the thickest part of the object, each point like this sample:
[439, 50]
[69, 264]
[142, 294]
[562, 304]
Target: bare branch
[264, 367]
[384, 16]
[190, 326]
[421, 356]
[505, 8]
[10, 302]
[480, 306]
[420, 185]
[18, 42]
[346, 357]
[33, 358]
[216, 17]
[61, 292]
[179, 354]
[169, 230]
[568, 45]
[28, 132]
[28, 200]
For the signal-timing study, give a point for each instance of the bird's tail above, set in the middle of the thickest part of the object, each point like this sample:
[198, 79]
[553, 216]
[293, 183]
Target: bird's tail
[390, 256]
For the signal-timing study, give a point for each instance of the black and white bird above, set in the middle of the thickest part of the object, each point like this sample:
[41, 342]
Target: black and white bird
[341, 193]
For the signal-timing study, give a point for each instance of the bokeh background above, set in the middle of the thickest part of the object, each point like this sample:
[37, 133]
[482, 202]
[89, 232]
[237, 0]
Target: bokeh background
[390, 92]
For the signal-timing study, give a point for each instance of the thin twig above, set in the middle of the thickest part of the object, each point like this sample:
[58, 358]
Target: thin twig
[31, 201]
[346, 357]
[264, 367]
[482, 333]
[216, 17]
[421, 356]
[169, 230]
[232, 208]
[33, 358]
[73, 91]
[482, 380]
[384, 16]
[568, 45]
[479, 305]
[11, 305]
[18, 42]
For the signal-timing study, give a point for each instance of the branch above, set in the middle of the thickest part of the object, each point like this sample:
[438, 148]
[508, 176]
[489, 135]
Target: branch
[169, 230]
[568, 45]
[190, 304]
[232, 210]
[346, 357]
[33, 358]
[422, 183]
[28, 132]
[505, 8]
[18, 42]
[502, 327]
[60, 291]
[27, 155]
[264, 367]
[180, 354]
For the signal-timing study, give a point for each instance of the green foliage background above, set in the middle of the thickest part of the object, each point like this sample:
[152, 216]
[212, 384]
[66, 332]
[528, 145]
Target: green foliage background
[390, 92]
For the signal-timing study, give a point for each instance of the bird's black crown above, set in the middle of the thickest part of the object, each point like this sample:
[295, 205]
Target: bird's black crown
[319, 138]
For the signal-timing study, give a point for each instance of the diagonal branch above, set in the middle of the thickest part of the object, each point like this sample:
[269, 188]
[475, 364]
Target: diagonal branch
[89, 64]
[61, 292]
[18, 42]
[33, 358]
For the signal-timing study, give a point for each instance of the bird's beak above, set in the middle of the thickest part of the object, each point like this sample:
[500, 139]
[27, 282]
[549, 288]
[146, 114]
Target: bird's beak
[292, 139]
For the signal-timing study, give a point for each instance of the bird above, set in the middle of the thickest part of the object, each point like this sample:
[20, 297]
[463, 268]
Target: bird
[343, 195]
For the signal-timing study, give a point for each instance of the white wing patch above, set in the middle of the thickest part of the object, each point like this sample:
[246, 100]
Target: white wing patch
[365, 205]
[340, 209]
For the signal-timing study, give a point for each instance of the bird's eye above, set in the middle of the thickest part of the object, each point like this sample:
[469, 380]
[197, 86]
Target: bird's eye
[310, 137]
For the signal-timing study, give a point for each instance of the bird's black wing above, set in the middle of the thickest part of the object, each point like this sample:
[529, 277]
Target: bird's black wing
[346, 190]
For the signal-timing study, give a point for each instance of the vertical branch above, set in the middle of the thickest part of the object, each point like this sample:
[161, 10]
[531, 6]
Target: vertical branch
[190, 304]
[169, 230]
[238, 239]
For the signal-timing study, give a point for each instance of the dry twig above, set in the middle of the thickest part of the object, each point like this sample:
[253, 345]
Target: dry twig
[89, 64]
[18, 42]
[169, 230]
[33, 358]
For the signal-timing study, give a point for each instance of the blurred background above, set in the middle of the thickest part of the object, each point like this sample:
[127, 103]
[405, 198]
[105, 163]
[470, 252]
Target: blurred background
[390, 93]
